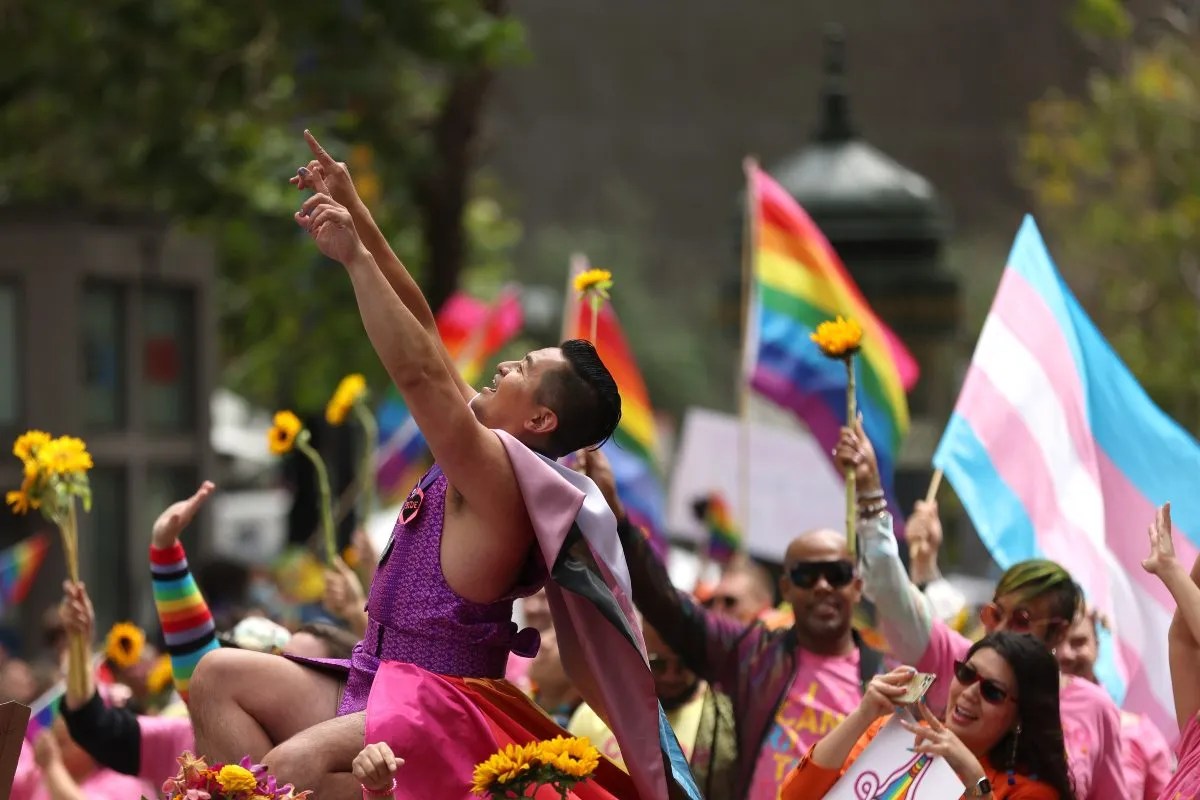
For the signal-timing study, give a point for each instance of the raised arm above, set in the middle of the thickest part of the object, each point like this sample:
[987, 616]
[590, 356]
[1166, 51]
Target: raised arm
[187, 624]
[902, 611]
[1183, 638]
[472, 457]
[342, 190]
[706, 642]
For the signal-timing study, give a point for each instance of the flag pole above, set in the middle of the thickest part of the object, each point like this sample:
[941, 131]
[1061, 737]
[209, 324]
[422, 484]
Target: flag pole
[579, 264]
[934, 484]
[742, 377]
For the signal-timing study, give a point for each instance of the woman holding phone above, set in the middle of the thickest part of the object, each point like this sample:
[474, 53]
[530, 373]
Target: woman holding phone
[1001, 734]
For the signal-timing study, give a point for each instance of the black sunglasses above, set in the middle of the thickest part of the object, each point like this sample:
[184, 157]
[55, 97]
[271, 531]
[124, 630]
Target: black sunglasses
[989, 689]
[836, 573]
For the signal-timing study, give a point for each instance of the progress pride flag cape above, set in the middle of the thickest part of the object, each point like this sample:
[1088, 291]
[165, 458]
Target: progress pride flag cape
[599, 638]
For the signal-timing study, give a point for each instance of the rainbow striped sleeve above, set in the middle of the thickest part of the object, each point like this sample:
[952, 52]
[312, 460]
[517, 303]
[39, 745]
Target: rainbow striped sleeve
[186, 621]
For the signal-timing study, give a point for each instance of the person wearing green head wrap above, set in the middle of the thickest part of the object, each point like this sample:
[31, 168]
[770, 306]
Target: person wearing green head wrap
[1038, 598]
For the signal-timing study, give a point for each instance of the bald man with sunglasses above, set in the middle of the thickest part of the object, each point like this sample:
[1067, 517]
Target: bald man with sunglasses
[788, 687]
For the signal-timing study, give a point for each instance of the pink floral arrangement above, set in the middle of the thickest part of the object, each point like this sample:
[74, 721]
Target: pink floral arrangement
[242, 781]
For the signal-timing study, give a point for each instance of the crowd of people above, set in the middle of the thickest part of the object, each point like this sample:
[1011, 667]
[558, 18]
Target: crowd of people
[713, 694]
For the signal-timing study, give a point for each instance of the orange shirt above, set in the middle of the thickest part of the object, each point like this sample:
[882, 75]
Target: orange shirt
[809, 781]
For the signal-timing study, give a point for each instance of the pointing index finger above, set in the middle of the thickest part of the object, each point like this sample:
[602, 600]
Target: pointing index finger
[318, 150]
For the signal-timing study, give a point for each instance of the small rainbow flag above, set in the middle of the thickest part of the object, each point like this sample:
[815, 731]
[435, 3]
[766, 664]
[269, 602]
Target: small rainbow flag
[473, 331]
[635, 442]
[799, 282]
[44, 710]
[18, 566]
[724, 539]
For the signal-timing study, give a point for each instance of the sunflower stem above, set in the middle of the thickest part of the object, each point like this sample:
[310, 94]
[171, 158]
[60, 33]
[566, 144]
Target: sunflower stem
[326, 499]
[851, 480]
[77, 648]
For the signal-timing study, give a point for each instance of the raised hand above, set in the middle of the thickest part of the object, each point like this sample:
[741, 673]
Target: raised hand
[924, 532]
[76, 611]
[854, 450]
[938, 740]
[335, 174]
[1162, 546]
[595, 465]
[177, 516]
[884, 691]
[344, 597]
[46, 751]
[375, 767]
[329, 224]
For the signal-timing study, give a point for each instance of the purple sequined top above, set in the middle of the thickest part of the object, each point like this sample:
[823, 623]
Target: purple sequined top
[414, 615]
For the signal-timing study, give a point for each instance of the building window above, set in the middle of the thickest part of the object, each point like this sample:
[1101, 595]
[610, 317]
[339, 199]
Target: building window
[103, 543]
[104, 365]
[169, 360]
[10, 374]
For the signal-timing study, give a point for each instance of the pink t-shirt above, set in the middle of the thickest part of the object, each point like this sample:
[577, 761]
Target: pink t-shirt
[102, 784]
[1090, 720]
[164, 739]
[517, 672]
[1145, 757]
[824, 690]
[1185, 785]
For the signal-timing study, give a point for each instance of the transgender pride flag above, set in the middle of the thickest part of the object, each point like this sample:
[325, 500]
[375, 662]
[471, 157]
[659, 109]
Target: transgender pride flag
[1057, 452]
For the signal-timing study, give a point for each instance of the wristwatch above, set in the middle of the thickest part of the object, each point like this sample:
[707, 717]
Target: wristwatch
[981, 789]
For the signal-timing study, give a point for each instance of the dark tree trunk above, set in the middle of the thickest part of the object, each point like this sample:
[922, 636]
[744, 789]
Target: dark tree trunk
[445, 189]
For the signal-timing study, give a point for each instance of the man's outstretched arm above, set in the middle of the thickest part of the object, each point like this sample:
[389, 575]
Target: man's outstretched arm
[472, 457]
[340, 187]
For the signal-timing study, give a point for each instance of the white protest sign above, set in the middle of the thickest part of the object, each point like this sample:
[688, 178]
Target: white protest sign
[887, 770]
[792, 486]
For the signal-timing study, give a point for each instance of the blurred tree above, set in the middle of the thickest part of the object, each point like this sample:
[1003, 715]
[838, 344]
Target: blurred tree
[1116, 179]
[192, 111]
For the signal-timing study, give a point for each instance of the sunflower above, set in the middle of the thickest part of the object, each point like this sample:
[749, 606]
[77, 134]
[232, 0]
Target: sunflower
[351, 390]
[28, 443]
[840, 338]
[235, 778]
[63, 456]
[503, 768]
[20, 501]
[573, 757]
[282, 436]
[594, 280]
[123, 646]
[161, 677]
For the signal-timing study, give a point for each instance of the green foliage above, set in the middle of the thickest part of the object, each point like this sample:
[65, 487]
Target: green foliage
[1116, 179]
[192, 111]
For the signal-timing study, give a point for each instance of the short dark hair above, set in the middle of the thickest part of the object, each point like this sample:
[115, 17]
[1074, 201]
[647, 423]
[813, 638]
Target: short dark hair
[584, 396]
[1037, 578]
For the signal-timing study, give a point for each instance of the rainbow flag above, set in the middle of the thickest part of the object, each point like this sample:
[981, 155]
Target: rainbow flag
[724, 539]
[44, 710]
[635, 442]
[799, 282]
[473, 332]
[18, 566]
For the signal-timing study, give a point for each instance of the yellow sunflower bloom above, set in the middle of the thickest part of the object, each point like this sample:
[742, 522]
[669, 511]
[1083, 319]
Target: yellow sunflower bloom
[593, 280]
[63, 456]
[161, 677]
[124, 644]
[282, 436]
[503, 768]
[839, 338]
[235, 778]
[351, 390]
[28, 443]
[20, 501]
[573, 757]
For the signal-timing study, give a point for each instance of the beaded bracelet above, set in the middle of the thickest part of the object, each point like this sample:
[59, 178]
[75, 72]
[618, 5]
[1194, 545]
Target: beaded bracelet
[873, 510]
[388, 792]
[875, 494]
